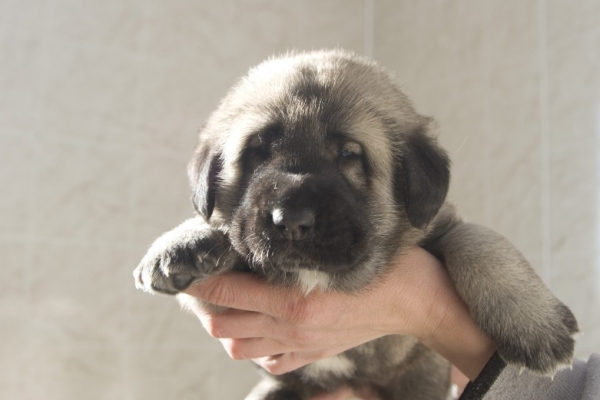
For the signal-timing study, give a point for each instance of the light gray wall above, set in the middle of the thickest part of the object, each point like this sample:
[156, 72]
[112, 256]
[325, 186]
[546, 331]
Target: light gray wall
[100, 103]
[515, 87]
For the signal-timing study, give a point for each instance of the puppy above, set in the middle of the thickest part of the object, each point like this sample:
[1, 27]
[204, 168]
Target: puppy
[315, 170]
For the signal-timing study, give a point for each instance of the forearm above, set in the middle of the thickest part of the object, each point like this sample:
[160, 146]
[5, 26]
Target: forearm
[445, 324]
[460, 341]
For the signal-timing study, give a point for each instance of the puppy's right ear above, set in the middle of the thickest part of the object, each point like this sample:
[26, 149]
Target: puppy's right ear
[204, 170]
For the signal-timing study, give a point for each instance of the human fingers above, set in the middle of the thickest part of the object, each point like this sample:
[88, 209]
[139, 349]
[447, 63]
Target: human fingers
[255, 348]
[287, 362]
[239, 324]
[246, 292]
[245, 329]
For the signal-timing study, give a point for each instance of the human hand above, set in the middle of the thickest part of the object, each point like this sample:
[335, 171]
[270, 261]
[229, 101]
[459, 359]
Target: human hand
[281, 329]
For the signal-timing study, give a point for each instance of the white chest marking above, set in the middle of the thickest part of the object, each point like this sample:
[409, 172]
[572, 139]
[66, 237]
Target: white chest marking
[338, 365]
[309, 279]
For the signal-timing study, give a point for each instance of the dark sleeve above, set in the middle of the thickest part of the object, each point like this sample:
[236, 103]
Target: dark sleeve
[497, 381]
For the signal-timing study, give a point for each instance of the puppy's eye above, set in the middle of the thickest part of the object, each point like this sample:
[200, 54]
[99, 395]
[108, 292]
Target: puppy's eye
[257, 148]
[260, 153]
[350, 150]
[256, 141]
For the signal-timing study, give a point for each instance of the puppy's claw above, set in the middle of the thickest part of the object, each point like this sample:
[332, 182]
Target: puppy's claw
[181, 281]
[159, 289]
[184, 255]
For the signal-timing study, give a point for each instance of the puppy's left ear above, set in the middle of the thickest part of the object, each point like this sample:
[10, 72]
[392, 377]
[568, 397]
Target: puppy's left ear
[424, 177]
[203, 174]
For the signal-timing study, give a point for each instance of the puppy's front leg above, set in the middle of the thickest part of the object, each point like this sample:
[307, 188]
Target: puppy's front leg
[508, 301]
[192, 251]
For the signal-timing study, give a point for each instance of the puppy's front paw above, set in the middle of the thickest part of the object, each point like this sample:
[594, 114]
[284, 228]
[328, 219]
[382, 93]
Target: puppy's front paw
[508, 301]
[541, 341]
[182, 256]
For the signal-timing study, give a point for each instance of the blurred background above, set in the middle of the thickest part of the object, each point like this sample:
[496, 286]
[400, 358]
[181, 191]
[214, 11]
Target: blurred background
[100, 104]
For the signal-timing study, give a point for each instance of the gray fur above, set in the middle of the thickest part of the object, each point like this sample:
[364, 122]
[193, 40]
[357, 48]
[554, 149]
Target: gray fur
[319, 161]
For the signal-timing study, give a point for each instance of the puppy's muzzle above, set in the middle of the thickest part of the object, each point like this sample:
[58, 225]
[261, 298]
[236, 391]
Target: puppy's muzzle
[294, 224]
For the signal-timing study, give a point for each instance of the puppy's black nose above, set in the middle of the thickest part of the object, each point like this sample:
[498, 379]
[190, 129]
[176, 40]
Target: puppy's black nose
[294, 224]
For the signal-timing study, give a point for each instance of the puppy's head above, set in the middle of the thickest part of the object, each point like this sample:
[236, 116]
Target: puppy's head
[319, 162]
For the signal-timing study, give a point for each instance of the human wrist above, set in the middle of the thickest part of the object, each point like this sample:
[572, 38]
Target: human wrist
[459, 340]
[422, 301]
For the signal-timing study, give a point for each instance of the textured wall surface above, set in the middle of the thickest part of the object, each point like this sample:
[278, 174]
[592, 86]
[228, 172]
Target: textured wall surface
[515, 87]
[100, 103]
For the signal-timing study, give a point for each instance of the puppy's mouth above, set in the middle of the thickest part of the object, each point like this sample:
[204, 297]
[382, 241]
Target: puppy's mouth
[311, 222]
[330, 247]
